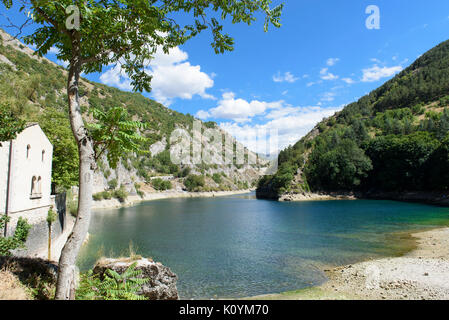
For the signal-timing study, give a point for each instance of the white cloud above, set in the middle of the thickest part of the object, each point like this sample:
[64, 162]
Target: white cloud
[65, 64]
[116, 77]
[291, 123]
[328, 97]
[326, 75]
[332, 61]
[376, 73]
[238, 110]
[53, 50]
[286, 77]
[348, 80]
[173, 77]
[203, 115]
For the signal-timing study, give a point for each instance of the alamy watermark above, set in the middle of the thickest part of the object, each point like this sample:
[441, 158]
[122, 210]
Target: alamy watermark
[373, 20]
[212, 146]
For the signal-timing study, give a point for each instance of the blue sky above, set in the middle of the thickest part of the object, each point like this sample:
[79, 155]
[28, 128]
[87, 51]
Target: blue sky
[288, 79]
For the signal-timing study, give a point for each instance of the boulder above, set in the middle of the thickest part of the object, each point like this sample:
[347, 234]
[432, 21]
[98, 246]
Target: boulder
[162, 284]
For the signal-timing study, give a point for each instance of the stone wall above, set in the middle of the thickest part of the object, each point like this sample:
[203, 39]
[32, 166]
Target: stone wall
[38, 237]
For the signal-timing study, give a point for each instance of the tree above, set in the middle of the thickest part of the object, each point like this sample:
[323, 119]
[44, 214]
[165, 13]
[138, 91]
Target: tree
[400, 162]
[10, 126]
[194, 183]
[51, 217]
[340, 168]
[92, 34]
[65, 151]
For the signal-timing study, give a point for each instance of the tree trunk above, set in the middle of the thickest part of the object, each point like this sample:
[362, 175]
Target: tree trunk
[65, 286]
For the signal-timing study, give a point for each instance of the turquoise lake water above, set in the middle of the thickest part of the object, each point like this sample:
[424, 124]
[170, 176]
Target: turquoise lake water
[238, 246]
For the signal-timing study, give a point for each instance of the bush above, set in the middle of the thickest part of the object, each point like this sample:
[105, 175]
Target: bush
[120, 194]
[97, 196]
[217, 178]
[184, 172]
[160, 184]
[17, 241]
[113, 184]
[194, 183]
[113, 286]
[106, 195]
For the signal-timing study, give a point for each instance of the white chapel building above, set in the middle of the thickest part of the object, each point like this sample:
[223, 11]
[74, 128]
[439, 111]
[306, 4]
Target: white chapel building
[25, 173]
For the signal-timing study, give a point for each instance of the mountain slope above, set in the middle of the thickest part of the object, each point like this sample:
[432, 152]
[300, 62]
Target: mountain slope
[394, 139]
[34, 89]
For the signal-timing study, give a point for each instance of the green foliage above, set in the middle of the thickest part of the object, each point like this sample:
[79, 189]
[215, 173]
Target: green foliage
[184, 172]
[17, 241]
[113, 286]
[437, 167]
[113, 183]
[400, 162]
[120, 194]
[217, 178]
[105, 39]
[56, 126]
[338, 168]
[160, 184]
[381, 142]
[10, 126]
[51, 216]
[106, 195]
[115, 134]
[97, 196]
[194, 183]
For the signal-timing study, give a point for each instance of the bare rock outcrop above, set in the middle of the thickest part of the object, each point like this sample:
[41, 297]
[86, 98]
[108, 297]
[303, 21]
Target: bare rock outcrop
[162, 284]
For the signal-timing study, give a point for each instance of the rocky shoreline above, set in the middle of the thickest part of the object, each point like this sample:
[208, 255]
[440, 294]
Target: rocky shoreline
[134, 200]
[309, 196]
[422, 274]
[433, 198]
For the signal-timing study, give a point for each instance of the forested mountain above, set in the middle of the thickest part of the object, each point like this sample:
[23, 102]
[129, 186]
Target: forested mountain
[34, 89]
[394, 139]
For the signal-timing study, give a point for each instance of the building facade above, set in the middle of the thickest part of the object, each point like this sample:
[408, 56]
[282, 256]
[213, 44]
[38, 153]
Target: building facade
[25, 173]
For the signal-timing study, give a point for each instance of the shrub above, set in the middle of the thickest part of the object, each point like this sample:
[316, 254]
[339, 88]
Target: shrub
[160, 184]
[17, 241]
[114, 286]
[120, 194]
[217, 178]
[97, 196]
[184, 172]
[194, 183]
[112, 184]
[106, 195]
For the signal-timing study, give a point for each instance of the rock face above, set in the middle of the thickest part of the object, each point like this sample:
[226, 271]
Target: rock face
[162, 284]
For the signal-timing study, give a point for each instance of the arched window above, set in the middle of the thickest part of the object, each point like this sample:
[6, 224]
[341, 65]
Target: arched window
[33, 186]
[36, 188]
[28, 151]
[39, 185]
[43, 155]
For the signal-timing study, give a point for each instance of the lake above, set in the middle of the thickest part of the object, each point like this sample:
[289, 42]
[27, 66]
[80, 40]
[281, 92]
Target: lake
[237, 246]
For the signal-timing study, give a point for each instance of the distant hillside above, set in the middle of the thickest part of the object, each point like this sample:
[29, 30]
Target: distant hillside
[34, 89]
[394, 139]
